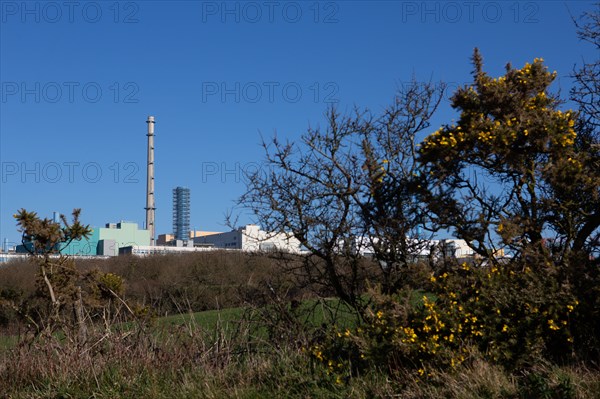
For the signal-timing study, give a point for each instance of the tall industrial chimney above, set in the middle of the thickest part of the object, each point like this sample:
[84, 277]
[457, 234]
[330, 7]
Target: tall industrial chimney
[150, 206]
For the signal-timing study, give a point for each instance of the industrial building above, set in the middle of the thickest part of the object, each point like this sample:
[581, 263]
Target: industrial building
[127, 238]
[119, 235]
[148, 250]
[104, 241]
[169, 239]
[181, 213]
[252, 238]
[421, 248]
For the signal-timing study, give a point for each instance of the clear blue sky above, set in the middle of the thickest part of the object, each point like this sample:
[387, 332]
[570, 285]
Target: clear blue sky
[78, 80]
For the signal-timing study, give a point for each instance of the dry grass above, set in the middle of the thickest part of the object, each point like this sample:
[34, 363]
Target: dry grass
[186, 360]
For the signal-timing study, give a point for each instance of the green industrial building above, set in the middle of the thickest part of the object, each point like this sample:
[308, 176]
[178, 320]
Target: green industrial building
[106, 240]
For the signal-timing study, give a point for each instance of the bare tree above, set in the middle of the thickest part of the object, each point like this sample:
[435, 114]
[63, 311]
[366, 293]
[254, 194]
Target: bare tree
[586, 91]
[348, 190]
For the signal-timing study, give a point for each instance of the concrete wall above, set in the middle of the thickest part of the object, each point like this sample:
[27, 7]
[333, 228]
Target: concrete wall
[251, 238]
[167, 239]
[229, 240]
[108, 248]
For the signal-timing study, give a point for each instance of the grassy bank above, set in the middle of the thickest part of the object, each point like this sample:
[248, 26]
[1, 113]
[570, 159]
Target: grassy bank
[239, 353]
[276, 373]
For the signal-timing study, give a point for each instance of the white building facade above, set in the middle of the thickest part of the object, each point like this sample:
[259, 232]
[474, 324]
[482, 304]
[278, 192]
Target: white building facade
[252, 238]
[419, 248]
[149, 250]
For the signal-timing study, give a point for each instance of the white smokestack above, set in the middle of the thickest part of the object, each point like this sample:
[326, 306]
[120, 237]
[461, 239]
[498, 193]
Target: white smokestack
[150, 205]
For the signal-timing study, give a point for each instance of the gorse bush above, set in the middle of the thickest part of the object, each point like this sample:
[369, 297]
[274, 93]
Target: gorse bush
[513, 314]
[508, 317]
[406, 331]
[514, 311]
[538, 201]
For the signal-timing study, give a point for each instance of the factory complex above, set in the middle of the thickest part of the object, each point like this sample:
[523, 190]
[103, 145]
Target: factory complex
[127, 238]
